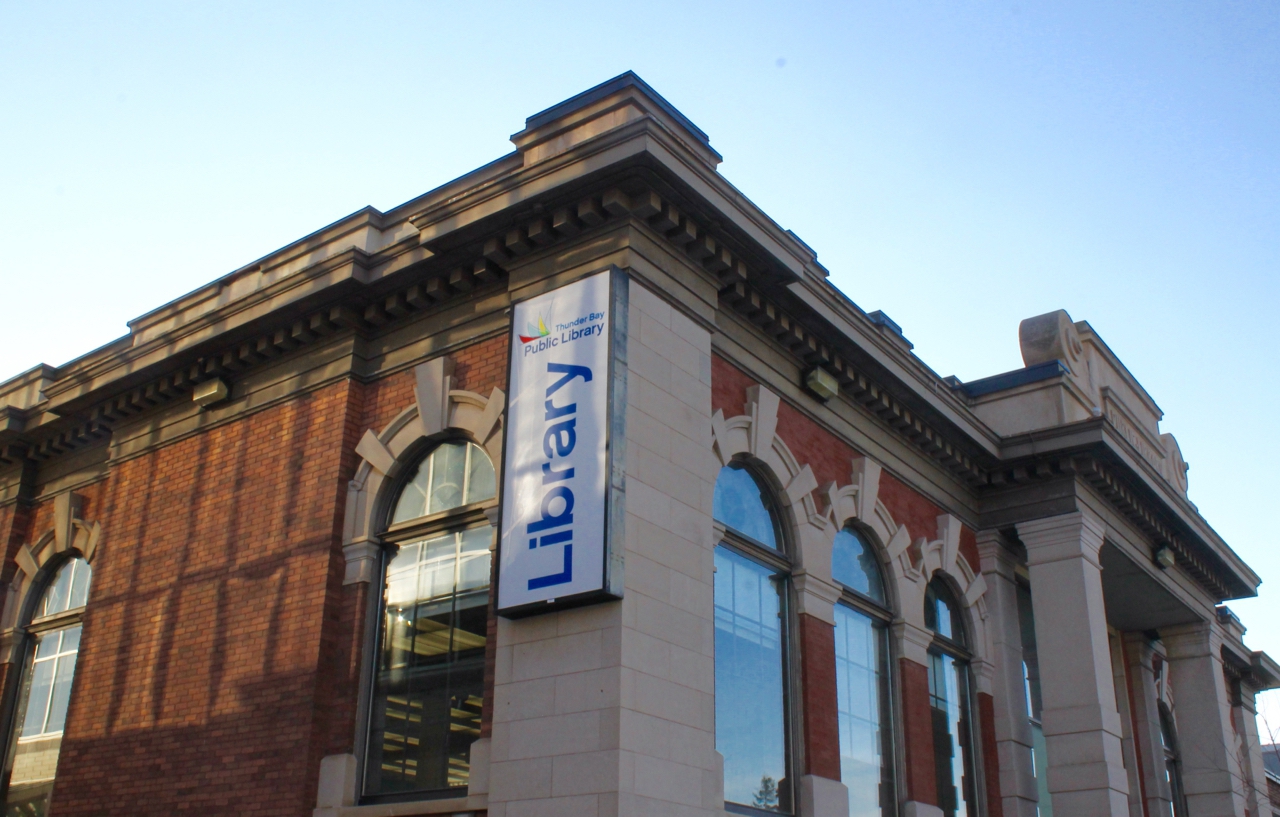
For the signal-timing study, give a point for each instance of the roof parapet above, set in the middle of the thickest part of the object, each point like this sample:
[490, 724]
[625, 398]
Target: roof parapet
[612, 104]
[1071, 375]
[27, 389]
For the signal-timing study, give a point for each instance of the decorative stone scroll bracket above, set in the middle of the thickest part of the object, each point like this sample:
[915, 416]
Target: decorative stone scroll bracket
[437, 408]
[70, 531]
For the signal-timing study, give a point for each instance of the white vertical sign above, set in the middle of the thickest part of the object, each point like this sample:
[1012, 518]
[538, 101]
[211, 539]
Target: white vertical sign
[554, 545]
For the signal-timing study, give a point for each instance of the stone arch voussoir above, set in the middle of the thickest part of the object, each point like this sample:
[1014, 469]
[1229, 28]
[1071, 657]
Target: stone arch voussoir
[438, 408]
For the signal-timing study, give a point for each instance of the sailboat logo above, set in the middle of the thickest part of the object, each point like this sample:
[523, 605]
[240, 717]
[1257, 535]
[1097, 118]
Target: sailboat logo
[539, 330]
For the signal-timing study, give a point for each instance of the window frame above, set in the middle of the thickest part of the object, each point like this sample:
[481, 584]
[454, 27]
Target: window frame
[389, 540]
[882, 616]
[36, 626]
[781, 562]
[958, 651]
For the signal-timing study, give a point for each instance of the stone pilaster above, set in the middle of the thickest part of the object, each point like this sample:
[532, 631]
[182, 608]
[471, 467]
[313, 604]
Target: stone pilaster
[609, 710]
[1145, 714]
[1081, 724]
[1211, 771]
[1256, 799]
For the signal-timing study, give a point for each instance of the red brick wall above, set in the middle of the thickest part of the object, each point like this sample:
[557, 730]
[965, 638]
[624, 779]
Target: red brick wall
[482, 366]
[818, 683]
[214, 653]
[478, 368]
[917, 730]
[831, 458]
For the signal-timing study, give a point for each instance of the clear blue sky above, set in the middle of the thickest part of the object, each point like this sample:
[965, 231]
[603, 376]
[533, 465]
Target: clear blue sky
[959, 165]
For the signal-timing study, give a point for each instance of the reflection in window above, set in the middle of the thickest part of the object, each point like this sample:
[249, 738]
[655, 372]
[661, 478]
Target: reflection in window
[50, 687]
[455, 474]
[750, 721]
[1034, 703]
[70, 589]
[854, 565]
[862, 697]
[948, 702]
[428, 687]
[46, 690]
[1172, 764]
[949, 706]
[742, 505]
[941, 613]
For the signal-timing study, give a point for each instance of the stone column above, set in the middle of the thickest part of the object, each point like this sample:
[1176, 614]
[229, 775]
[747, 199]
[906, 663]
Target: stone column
[1012, 728]
[1257, 799]
[1211, 773]
[1145, 712]
[1081, 724]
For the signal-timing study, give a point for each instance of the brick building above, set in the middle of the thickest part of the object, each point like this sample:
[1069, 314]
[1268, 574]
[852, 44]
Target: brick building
[248, 547]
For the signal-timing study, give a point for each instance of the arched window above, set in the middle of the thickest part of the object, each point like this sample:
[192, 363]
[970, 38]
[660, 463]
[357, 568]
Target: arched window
[745, 507]
[751, 645]
[953, 737]
[862, 677]
[46, 690]
[1172, 763]
[428, 685]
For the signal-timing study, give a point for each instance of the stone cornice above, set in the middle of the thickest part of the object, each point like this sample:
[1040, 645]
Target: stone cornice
[1094, 452]
[613, 158]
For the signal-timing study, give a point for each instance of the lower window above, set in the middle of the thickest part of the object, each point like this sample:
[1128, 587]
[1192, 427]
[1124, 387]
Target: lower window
[949, 705]
[428, 690]
[862, 694]
[750, 688]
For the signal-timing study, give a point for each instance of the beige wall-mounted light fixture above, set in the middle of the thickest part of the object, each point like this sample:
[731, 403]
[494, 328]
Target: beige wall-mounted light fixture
[210, 392]
[822, 383]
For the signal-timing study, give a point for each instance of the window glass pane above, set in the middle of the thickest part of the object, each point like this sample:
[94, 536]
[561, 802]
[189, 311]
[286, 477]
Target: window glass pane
[70, 640]
[47, 644]
[439, 563]
[1031, 685]
[741, 505]
[429, 683]
[942, 613]
[454, 474]
[482, 483]
[57, 597]
[473, 567]
[448, 471]
[854, 565]
[61, 697]
[402, 577]
[80, 584]
[750, 723]
[949, 706]
[38, 695]
[413, 497]
[860, 691]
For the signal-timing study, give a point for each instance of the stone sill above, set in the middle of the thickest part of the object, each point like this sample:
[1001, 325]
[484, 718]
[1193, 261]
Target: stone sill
[454, 806]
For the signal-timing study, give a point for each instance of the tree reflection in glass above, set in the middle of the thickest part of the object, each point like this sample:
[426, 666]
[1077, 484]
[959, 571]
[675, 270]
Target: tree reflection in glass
[749, 682]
